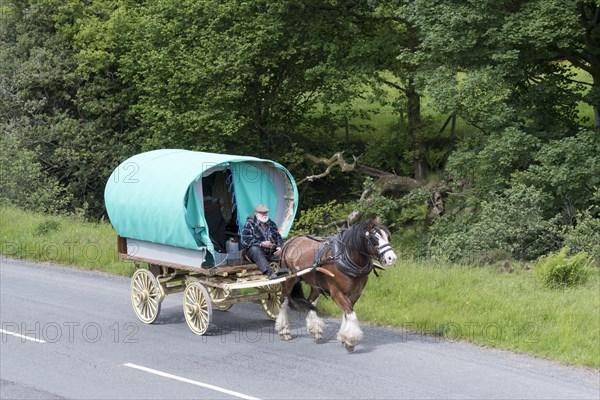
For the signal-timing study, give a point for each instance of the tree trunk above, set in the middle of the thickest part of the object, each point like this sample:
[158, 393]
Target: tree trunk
[415, 131]
[595, 72]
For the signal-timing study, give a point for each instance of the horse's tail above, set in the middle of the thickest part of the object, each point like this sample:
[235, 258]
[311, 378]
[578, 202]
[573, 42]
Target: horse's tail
[298, 301]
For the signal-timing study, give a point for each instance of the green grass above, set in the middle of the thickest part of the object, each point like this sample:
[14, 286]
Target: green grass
[584, 110]
[475, 304]
[60, 240]
[386, 116]
[486, 307]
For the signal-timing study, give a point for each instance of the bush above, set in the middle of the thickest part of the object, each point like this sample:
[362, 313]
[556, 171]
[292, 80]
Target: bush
[46, 226]
[566, 169]
[585, 236]
[321, 215]
[377, 205]
[24, 182]
[558, 270]
[513, 222]
[414, 206]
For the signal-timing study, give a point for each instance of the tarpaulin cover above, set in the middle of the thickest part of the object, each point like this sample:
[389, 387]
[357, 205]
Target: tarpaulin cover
[153, 196]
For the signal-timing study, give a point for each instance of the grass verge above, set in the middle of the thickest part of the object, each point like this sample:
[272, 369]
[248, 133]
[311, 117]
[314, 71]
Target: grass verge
[475, 304]
[478, 304]
[61, 240]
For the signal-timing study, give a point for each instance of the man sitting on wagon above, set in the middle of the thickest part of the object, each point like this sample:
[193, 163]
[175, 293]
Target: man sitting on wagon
[262, 241]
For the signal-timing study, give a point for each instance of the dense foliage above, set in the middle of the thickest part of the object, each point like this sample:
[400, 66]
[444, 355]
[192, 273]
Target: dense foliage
[85, 84]
[559, 271]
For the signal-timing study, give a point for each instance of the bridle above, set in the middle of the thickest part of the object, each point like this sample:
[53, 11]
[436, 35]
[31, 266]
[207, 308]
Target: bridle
[343, 259]
[373, 240]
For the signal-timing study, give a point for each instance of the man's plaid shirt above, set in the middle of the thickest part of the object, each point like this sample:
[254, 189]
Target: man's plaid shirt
[252, 234]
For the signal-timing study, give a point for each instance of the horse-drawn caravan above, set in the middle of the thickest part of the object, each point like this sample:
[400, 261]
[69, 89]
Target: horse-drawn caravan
[181, 212]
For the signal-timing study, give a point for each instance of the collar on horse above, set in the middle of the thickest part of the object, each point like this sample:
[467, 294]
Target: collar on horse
[344, 262]
[340, 256]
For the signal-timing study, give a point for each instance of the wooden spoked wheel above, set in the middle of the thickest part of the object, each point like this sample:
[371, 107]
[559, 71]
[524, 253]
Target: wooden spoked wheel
[271, 304]
[216, 293]
[146, 296]
[197, 308]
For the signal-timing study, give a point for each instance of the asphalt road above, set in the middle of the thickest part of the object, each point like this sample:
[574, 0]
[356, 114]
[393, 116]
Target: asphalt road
[73, 334]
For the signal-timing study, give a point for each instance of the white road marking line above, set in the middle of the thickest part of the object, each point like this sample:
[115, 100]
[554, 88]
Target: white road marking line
[204, 385]
[23, 336]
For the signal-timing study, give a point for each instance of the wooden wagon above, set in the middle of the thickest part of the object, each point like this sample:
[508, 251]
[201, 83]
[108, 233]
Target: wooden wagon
[178, 215]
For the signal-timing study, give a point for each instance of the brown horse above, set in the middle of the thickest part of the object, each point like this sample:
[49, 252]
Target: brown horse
[345, 261]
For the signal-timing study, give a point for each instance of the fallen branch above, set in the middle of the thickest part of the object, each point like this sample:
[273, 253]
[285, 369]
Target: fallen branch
[336, 160]
[386, 181]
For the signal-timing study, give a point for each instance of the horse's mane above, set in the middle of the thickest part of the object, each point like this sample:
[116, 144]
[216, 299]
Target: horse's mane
[355, 236]
[352, 249]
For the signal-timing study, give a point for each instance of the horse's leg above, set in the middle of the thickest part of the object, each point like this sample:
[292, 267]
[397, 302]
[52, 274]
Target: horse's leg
[282, 323]
[349, 333]
[314, 324]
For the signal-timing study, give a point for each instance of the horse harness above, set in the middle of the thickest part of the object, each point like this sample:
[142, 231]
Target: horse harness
[341, 258]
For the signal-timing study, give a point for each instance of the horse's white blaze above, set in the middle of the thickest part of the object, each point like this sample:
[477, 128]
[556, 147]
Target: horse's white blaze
[350, 333]
[314, 324]
[282, 324]
[389, 257]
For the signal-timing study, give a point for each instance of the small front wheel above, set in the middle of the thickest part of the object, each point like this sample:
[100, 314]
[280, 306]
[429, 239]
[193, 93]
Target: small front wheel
[271, 304]
[197, 308]
[218, 294]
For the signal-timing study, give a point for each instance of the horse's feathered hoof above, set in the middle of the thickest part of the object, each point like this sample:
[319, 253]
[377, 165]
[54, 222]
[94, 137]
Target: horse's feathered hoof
[348, 348]
[286, 337]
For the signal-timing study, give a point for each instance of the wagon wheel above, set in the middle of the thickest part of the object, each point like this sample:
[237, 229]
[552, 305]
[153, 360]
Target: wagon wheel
[146, 296]
[197, 308]
[271, 304]
[216, 293]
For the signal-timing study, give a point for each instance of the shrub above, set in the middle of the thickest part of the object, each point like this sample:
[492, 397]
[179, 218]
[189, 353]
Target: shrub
[46, 226]
[558, 270]
[513, 222]
[321, 215]
[566, 169]
[24, 182]
[377, 205]
[585, 236]
[414, 206]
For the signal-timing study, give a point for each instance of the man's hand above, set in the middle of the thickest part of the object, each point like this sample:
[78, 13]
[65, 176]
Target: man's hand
[277, 252]
[267, 244]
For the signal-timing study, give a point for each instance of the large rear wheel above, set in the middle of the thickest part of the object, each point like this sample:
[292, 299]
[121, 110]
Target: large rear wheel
[146, 296]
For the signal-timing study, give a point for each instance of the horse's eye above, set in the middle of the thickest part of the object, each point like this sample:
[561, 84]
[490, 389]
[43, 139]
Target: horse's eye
[374, 240]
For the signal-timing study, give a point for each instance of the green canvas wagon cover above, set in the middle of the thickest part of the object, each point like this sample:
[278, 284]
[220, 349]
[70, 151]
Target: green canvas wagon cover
[189, 199]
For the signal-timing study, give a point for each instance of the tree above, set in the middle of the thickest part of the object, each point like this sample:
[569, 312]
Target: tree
[71, 119]
[233, 76]
[511, 70]
[533, 46]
